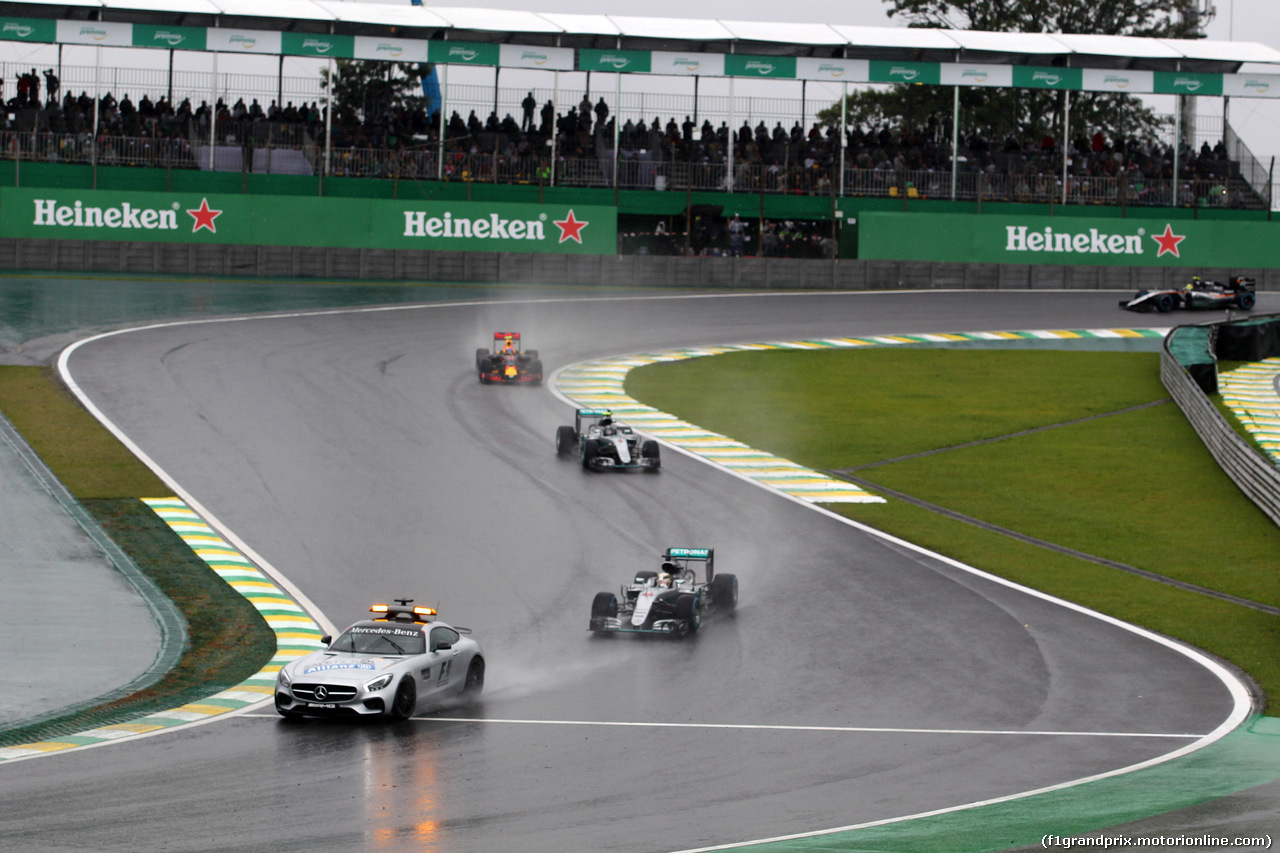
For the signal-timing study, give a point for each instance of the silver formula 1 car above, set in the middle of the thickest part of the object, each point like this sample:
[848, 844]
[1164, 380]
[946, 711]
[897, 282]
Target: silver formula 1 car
[604, 444]
[669, 601]
[393, 664]
[1239, 292]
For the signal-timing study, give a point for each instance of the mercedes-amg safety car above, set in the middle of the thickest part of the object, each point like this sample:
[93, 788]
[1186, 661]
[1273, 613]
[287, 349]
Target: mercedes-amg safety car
[604, 444]
[507, 362]
[669, 601]
[401, 660]
[1239, 292]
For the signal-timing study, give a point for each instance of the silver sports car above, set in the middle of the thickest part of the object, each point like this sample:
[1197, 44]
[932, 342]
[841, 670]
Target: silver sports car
[401, 660]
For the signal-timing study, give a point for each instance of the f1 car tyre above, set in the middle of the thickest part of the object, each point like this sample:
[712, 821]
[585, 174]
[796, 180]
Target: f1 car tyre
[532, 353]
[474, 684]
[1164, 303]
[481, 355]
[724, 592]
[604, 605]
[406, 701]
[535, 369]
[590, 450]
[689, 609]
[565, 439]
[650, 450]
[1246, 300]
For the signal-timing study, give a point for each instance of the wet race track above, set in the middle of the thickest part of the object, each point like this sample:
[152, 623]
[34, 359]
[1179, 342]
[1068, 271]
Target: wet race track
[355, 451]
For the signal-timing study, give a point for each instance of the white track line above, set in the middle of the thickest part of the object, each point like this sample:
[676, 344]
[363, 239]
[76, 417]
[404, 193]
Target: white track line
[778, 728]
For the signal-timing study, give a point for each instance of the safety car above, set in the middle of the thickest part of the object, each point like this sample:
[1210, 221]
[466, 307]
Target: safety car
[399, 661]
[1239, 292]
[507, 362]
[669, 601]
[604, 444]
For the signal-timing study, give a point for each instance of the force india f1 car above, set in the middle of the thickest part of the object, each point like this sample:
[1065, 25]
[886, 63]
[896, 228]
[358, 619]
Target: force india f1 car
[669, 601]
[390, 665]
[603, 444]
[1239, 292]
[507, 363]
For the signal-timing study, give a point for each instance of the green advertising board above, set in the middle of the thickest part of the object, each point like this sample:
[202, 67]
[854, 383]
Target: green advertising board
[1028, 77]
[1100, 241]
[303, 44]
[590, 59]
[256, 220]
[738, 65]
[176, 38]
[28, 29]
[464, 53]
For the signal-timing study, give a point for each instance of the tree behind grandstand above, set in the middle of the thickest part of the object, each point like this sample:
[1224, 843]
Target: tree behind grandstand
[365, 91]
[1026, 116]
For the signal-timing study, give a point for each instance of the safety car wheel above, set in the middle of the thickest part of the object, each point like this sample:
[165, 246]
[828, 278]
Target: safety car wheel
[1164, 303]
[474, 685]
[565, 439]
[406, 701]
[1246, 300]
[689, 609]
[724, 592]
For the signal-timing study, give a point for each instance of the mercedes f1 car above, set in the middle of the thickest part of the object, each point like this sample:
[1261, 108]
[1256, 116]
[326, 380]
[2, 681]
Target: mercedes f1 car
[669, 601]
[604, 444]
[1240, 292]
[507, 363]
[393, 664]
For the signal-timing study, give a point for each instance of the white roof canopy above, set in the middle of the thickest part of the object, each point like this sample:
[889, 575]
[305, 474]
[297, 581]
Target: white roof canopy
[829, 40]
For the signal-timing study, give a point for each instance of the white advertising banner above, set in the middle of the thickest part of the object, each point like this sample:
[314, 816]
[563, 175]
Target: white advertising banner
[391, 49]
[545, 58]
[1251, 85]
[699, 64]
[835, 70]
[1113, 80]
[968, 74]
[105, 33]
[243, 41]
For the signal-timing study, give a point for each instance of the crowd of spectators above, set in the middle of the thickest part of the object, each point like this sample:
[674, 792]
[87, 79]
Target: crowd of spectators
[404, 142]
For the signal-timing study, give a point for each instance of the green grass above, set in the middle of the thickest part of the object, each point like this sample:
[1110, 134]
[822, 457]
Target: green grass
[228, 640]
[1136, 487]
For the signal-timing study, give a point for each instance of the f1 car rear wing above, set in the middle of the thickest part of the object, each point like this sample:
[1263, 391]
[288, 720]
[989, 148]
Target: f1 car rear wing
[588, 415]
[500, 336]
[682, 557]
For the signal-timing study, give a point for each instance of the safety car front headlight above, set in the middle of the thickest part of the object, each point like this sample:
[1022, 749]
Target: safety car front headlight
[379, 682]
[282, 678]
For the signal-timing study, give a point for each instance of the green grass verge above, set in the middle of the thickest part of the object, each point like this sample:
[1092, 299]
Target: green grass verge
[228, 640]
[1136, 487]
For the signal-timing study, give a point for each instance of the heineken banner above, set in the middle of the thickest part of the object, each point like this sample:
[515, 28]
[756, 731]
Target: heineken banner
[307, 221]
[1000, 239]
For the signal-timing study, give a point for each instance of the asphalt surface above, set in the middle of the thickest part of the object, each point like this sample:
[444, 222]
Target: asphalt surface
[357, 454]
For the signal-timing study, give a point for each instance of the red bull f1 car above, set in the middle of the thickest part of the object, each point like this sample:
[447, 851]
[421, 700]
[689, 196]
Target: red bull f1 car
[604, 444]
[1240, 292]
[506, 362]
[669, 601]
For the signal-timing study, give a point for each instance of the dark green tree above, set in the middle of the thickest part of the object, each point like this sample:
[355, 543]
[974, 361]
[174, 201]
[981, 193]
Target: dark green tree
[366, 89]
[1026, 115]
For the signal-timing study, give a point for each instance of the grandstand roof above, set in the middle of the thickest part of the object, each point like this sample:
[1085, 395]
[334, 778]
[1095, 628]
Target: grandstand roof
[650, 33]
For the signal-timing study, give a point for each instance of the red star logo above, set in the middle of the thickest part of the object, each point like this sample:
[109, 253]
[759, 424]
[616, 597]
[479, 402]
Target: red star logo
[1168, 241]
[570, 228]
[204, 217]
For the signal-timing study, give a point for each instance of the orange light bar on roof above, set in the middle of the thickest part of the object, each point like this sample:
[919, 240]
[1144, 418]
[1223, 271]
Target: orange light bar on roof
[424, 611]
[379, 608]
